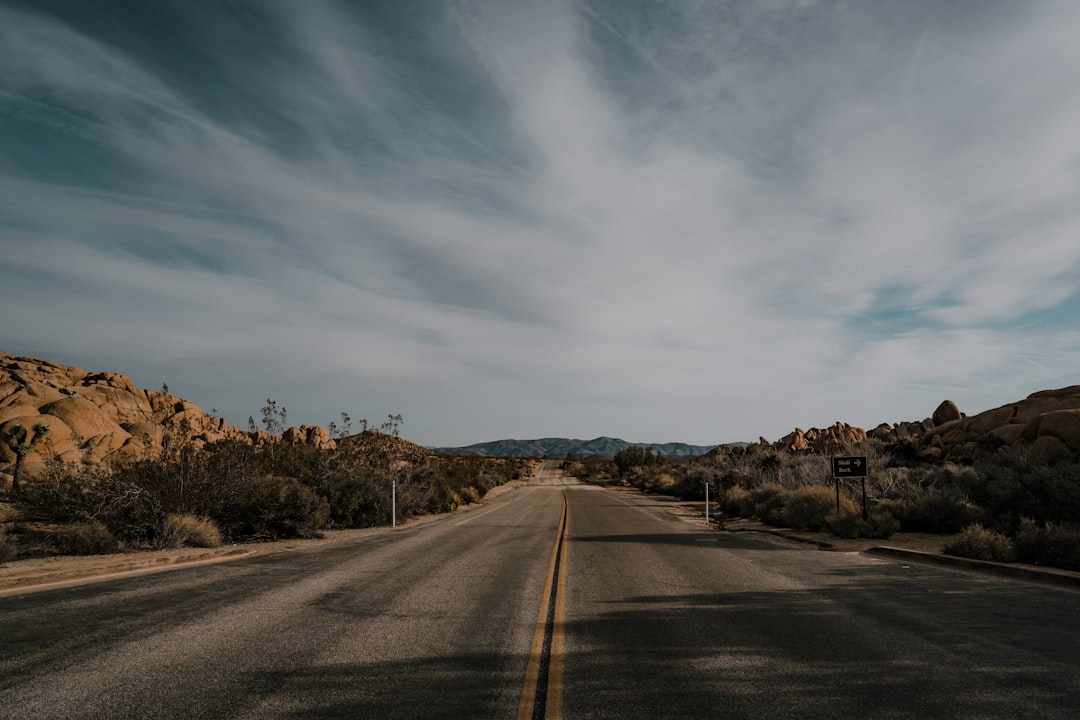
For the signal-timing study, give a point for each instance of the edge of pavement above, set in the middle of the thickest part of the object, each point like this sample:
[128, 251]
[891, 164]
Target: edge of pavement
[22, 576]
[56, 571]
[1057, 577]
[923, 548]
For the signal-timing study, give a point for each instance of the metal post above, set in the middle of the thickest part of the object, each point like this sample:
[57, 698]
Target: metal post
[864, 498]
[393, 503]
[706, 504]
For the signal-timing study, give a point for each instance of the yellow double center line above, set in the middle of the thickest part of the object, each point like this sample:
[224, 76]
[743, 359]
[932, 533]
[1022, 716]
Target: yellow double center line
[541, 698]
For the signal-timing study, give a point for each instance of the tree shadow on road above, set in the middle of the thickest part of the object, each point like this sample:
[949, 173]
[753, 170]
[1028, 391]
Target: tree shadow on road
[873, 645]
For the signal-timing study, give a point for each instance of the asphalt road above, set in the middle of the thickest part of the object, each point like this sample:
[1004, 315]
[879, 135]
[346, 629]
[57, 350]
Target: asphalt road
[652, 617]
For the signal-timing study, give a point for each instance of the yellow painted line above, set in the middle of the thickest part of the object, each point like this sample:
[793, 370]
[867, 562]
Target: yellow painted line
[558, 636]
[553, 703]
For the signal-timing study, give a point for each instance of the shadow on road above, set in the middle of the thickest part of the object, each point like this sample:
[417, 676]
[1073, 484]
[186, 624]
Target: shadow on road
[876, 645]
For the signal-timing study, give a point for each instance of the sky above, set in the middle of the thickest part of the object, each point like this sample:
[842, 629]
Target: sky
[701, 221]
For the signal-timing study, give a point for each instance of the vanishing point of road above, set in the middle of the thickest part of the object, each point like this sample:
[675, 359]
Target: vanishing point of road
[553, 600]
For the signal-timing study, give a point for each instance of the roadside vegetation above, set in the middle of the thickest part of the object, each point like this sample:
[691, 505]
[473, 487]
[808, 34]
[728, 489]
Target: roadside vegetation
[1007, 505]
[204, 495]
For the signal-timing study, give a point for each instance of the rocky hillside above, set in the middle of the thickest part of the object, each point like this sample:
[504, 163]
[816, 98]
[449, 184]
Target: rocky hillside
[561, 447]
[101, 416]
[1046, 423]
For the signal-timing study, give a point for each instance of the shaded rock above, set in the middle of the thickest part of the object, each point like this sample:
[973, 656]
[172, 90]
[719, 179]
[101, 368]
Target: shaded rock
[1064, 425]
[946, 412]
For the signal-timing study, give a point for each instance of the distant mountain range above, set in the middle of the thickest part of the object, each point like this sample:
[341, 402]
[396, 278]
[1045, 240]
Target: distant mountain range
[561, 447]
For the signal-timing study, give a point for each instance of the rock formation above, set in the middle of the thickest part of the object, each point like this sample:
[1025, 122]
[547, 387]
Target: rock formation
[105, 417]
[1046, 422]
[835, 439]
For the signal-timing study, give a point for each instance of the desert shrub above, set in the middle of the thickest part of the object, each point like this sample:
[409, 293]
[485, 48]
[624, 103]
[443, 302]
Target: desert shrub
[690, 485]
[272, 507]
[469, 494]
[1053, 545]
[652, 480]
[769, 500]
[84, 538]
[634, 457]
[184, 530]
[849, 523]
[979, 543]
[737, 502]
[938, 513]
[806, 508]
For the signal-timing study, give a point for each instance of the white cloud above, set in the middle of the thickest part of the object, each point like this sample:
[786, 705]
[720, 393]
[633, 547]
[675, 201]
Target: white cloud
[708, 227]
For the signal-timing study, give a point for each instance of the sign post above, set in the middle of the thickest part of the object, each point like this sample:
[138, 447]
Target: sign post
[849, 466]
[706, 504]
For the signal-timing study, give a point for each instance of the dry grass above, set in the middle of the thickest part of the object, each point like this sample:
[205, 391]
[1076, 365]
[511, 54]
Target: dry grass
[85, 538]
[184, 530]
[979, 543]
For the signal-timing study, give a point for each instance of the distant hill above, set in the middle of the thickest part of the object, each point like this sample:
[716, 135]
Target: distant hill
[561, 447]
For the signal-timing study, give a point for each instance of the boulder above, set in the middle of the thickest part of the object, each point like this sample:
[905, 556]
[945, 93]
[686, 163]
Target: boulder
[1064, 425]
[14, 411]
[57, 442]
[946, 412]
[85, 419]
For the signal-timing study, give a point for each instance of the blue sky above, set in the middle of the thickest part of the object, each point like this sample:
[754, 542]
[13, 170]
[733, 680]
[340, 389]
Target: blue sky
[693, 220]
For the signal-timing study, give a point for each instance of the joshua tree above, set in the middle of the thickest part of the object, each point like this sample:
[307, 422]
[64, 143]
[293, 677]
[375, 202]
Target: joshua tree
[15, 438]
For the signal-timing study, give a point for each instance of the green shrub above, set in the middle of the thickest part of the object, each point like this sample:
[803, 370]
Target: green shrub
[85, 538]
[271, 507]
[769, 500]
[737, 502]
[806, 508]
[979, 543]
[1054, 545]
[186, 530]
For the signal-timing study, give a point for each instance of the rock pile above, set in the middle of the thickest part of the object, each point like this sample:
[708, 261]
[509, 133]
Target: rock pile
[832, 440]
[1046, 423]
[105, 417]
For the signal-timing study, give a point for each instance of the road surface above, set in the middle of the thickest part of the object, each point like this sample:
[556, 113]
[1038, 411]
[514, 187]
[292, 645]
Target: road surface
[556, 598]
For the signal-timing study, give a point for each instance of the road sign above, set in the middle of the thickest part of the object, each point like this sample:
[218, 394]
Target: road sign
[845, 466]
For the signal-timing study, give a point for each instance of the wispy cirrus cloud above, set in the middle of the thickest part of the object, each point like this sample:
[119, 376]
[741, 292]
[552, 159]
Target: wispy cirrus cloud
[703, 221]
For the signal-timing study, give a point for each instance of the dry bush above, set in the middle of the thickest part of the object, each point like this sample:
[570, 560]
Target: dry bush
[184, 530]
[938, 513]
[769, 500]
[808, 507]
[849, 523]
[979, 543]
[737, 502]
[469, 494]
[85, 538]
[1053, 545]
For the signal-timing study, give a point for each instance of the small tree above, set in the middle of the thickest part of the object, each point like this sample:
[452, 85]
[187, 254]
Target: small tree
[273, 417]
[392, 425]
[16, 439]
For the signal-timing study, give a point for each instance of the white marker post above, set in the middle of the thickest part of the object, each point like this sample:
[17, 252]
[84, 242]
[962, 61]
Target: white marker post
[706, 503]
[393, 503]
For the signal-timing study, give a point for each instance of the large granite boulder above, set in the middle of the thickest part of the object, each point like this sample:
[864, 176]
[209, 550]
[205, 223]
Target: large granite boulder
[105, 417]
